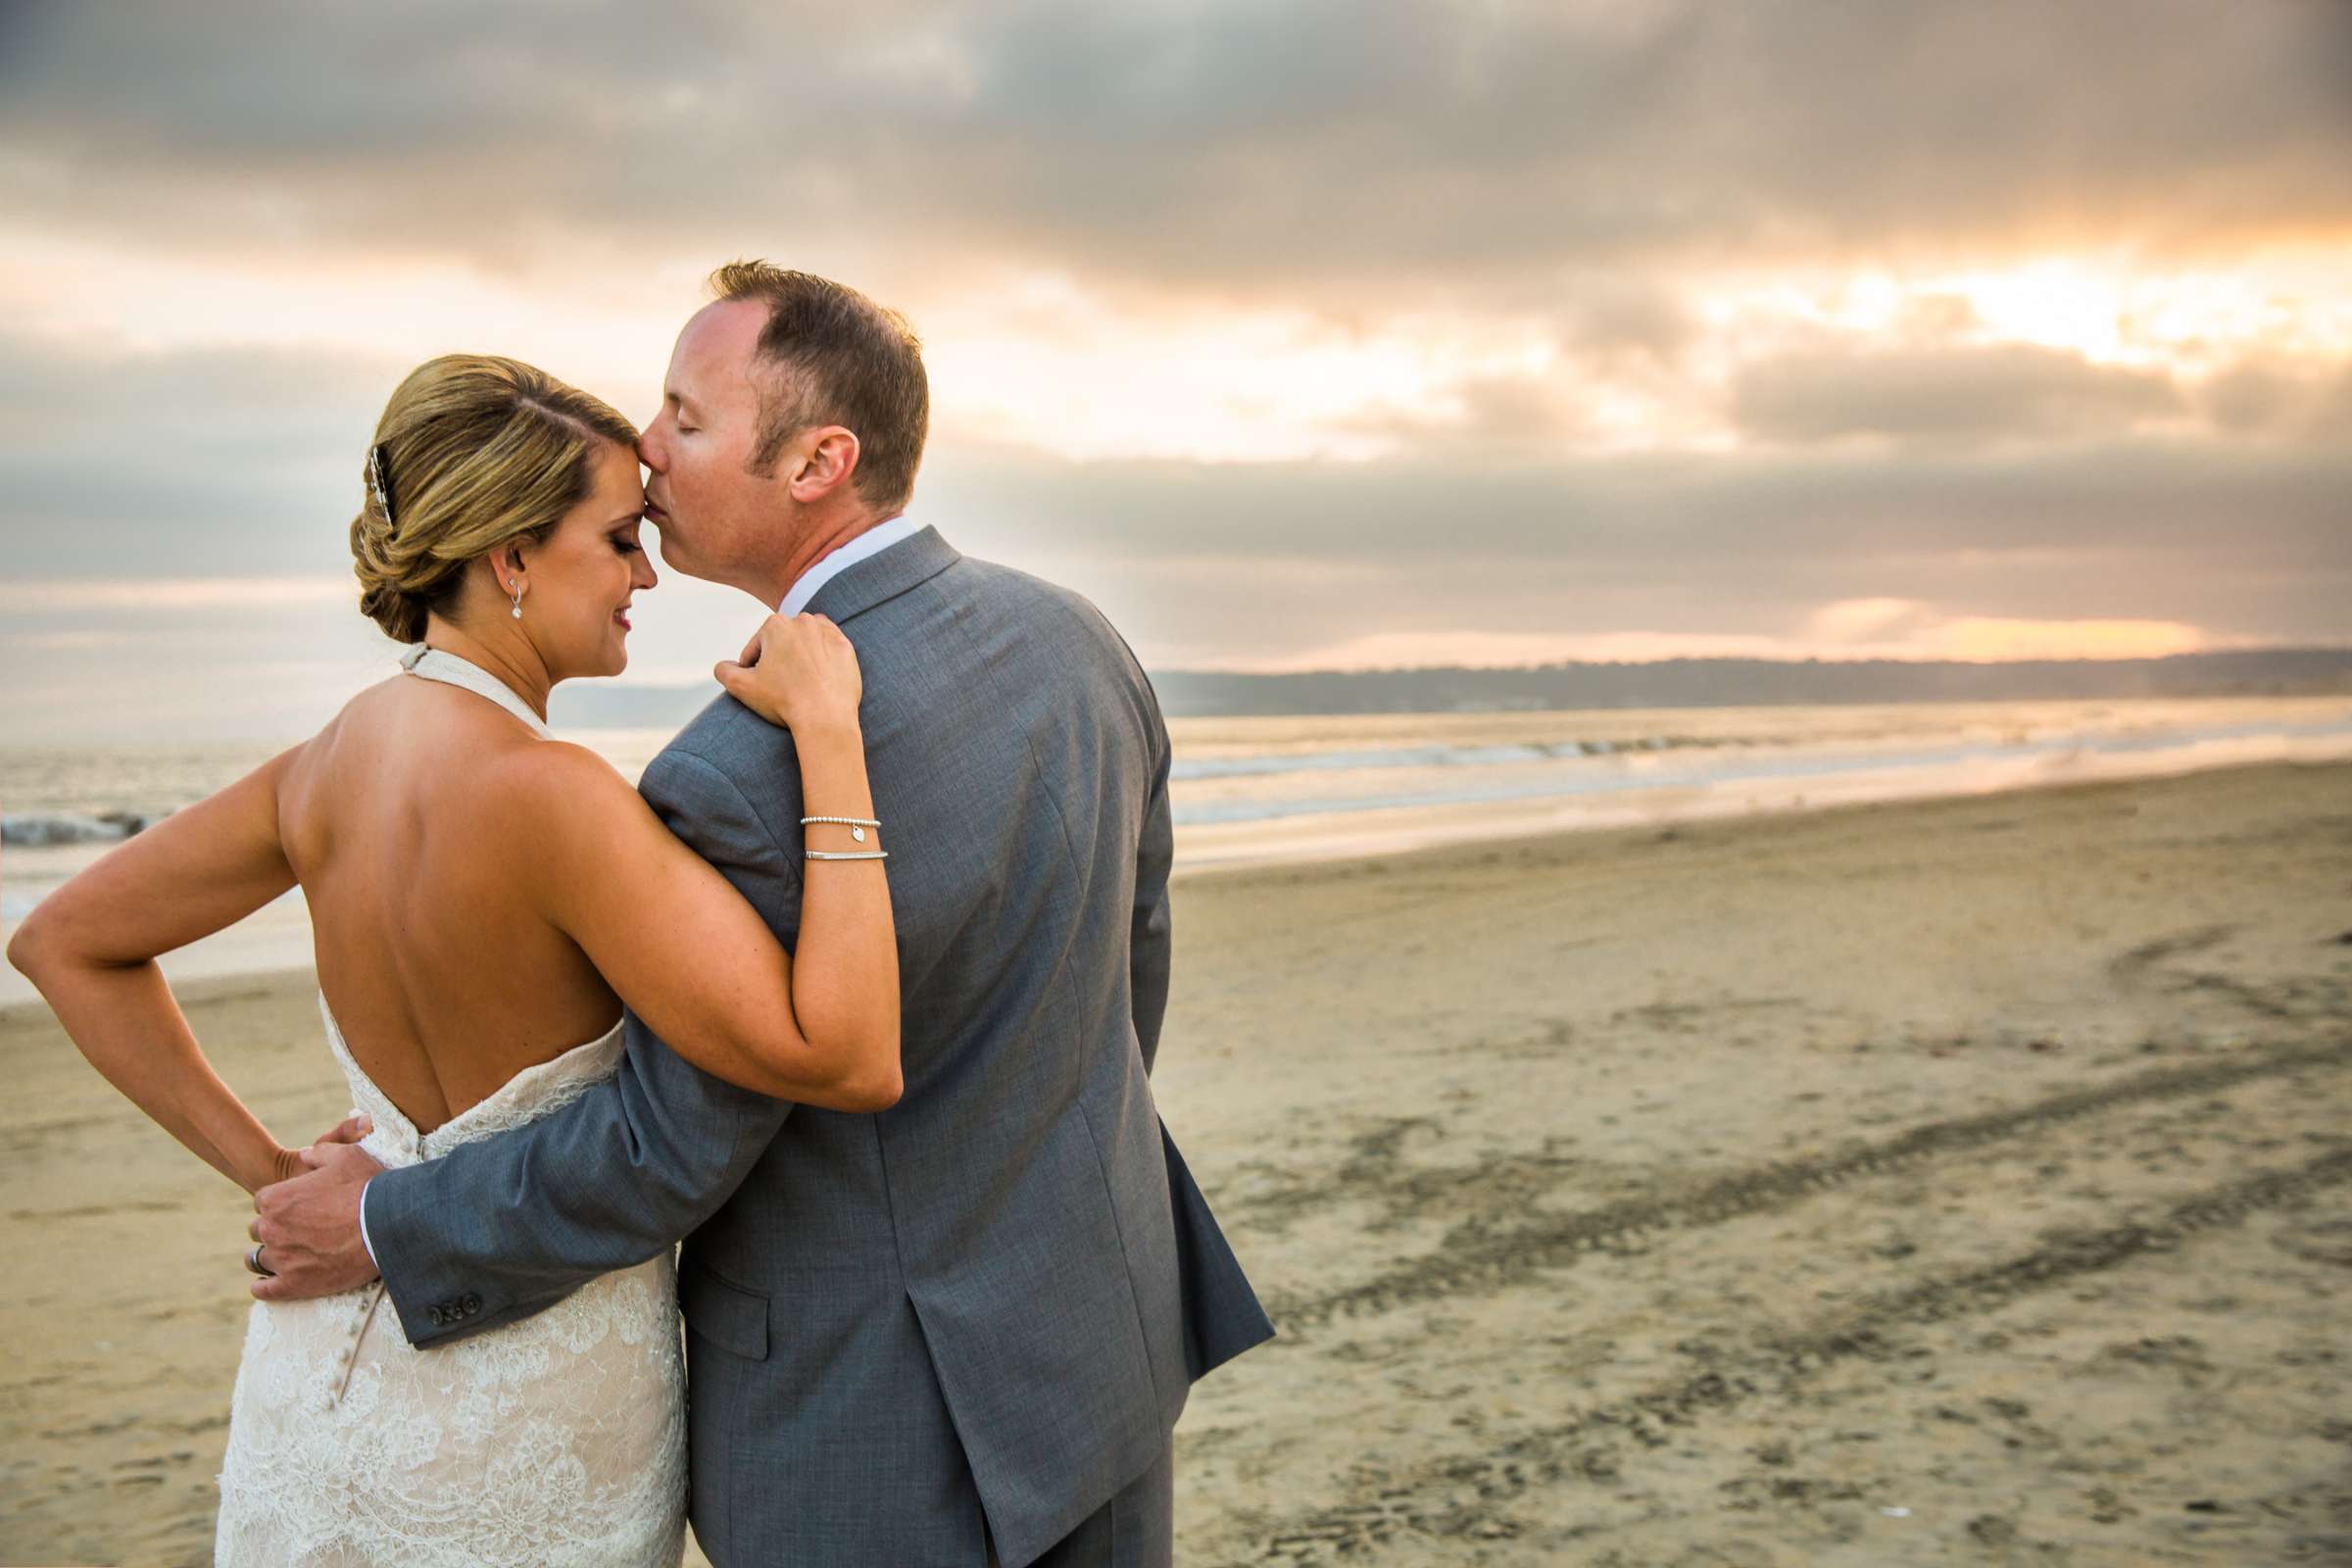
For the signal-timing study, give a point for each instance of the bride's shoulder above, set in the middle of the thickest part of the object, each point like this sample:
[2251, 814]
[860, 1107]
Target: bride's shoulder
[550, 770]
[551, 799]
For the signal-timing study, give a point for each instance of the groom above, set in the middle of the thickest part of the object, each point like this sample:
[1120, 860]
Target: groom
[960, 1330]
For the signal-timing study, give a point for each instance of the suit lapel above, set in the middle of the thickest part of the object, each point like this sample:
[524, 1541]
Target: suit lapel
[916, 558]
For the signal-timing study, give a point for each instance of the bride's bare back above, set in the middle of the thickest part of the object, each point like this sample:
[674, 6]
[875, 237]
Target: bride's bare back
[484, 898]
[433, 950]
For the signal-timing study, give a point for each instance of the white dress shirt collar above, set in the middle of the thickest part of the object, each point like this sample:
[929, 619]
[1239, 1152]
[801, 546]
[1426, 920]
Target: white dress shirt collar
[872, 542]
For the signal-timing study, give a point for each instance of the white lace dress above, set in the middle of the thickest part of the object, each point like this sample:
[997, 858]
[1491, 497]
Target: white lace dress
[556, 1440]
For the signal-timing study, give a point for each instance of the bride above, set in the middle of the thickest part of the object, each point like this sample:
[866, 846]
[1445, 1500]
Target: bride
[482, 898]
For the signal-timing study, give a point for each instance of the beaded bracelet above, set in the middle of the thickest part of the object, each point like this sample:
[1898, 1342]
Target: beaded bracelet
[855, 824]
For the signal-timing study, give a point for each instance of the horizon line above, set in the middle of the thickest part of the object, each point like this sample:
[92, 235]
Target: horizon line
[2256, 650]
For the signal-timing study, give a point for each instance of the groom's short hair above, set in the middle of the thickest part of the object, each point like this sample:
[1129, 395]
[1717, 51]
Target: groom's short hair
[843, 360]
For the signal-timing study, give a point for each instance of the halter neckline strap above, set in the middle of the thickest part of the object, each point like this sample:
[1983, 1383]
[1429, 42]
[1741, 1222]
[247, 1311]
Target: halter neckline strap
[438, 663]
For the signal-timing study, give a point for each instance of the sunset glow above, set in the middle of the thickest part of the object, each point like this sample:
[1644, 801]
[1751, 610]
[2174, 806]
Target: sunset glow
[1969, 639]
[1616, 332]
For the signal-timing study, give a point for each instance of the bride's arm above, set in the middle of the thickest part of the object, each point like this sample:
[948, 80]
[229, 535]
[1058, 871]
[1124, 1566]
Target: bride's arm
[686, 952]
[90, 947]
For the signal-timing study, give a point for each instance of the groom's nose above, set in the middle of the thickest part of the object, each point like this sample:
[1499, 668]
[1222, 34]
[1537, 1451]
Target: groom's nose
[649, 448]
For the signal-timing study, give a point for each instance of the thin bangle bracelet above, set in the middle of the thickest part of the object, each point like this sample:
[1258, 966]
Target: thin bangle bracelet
[819, 855]
[848, 821]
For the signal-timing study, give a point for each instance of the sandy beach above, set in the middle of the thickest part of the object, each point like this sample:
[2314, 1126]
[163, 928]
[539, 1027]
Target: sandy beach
[1923, 1181]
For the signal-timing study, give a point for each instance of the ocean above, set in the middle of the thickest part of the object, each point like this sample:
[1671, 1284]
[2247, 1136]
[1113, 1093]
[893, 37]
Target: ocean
[1253, 791]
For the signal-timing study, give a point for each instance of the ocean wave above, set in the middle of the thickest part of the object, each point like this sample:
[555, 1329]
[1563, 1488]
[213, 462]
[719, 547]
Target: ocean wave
[30, 829]
[1787, 766]
[1729, 749]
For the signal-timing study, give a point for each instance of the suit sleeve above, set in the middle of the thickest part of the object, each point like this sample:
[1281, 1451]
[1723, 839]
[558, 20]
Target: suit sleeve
[1148, 939]
[498, 1230]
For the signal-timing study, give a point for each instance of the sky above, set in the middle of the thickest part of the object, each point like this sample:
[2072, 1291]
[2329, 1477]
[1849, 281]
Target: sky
[1341, 334]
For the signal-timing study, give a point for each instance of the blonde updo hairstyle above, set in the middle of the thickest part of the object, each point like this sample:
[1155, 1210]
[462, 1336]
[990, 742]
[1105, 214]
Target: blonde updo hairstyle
[478, 451]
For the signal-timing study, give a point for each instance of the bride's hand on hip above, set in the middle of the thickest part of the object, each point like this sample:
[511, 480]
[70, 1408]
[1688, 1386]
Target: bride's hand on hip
[798, 671]
[309, 1228]
[288, 1162]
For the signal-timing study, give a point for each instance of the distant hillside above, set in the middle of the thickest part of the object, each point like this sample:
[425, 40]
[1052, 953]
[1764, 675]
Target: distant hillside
[1755, 682]
[1666, 683]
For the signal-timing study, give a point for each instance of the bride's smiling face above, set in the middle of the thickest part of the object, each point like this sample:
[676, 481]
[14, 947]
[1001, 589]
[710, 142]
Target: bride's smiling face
[577, 585]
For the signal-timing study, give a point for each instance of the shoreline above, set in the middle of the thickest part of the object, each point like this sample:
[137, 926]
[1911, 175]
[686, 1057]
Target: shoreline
[1353, 835]
[1221, 850]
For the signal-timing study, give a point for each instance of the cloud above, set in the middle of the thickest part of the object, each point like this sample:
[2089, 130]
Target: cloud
[1862, 620]
[1907, 628]
[200, 462]
[234, 463]
[2004, 391]
[53, 594]
[1609, 320]
[1639, 512]
[1231, 144]
[239, 464]
[2279, 397]
[2234, 542]
[1925, 635]
[212, 460]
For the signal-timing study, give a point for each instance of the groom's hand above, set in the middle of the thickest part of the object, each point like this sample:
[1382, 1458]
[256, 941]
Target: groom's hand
[309, 1227]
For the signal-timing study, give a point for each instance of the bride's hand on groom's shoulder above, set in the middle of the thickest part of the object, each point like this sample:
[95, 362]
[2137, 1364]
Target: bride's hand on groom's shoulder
[798, 671]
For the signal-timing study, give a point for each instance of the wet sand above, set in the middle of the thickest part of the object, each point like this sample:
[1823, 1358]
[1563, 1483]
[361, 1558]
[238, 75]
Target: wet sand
[1963, 1181]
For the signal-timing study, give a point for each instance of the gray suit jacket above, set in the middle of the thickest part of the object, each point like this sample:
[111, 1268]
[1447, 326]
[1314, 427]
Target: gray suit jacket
[992, 1296]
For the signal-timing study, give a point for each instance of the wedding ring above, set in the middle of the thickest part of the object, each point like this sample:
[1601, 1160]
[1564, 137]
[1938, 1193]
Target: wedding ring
[253, 1262]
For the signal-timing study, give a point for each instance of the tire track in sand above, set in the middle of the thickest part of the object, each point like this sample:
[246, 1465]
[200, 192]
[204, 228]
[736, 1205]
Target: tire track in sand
[1466, 1499]
[1510, 1255]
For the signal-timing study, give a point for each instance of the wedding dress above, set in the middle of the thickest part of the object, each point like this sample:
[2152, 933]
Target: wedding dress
[556, 1440]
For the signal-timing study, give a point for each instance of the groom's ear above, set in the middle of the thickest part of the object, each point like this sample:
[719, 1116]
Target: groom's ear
[831, 459]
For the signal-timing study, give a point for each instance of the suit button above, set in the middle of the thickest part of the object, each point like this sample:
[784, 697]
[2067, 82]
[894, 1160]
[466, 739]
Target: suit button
[473, 1303]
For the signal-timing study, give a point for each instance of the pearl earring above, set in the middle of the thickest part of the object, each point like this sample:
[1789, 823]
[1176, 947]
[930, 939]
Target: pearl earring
[518, 600]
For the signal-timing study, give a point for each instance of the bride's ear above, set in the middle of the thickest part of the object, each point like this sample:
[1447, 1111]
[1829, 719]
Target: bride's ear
[509, 566]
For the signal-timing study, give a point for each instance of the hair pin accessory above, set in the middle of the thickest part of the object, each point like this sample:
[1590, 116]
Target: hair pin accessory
[379, 483]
